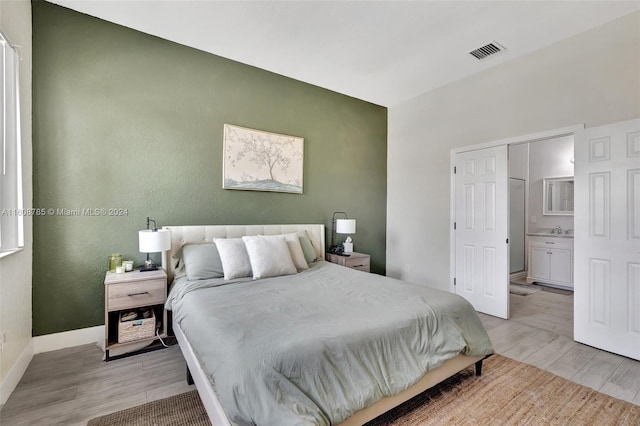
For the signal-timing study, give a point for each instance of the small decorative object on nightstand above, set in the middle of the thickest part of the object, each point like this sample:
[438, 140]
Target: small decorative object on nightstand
[359, 261]
[134, 311]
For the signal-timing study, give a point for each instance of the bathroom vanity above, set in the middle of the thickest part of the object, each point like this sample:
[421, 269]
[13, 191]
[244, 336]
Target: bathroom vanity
[551, 259]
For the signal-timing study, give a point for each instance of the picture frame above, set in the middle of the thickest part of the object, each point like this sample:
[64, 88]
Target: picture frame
[256, 160]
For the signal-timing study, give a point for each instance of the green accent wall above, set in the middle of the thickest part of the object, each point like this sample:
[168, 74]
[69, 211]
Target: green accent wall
[125, 120]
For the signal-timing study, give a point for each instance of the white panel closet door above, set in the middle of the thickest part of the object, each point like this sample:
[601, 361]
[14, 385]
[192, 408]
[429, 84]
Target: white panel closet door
[481, 216]
[607, 238]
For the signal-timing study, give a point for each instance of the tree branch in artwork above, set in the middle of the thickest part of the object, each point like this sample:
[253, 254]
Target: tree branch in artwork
[265, 152]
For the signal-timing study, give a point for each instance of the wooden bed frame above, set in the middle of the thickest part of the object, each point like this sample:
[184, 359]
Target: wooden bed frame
[181, 235]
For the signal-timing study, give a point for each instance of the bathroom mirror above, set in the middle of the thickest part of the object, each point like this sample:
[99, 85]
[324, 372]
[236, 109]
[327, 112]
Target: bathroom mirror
[557, 196]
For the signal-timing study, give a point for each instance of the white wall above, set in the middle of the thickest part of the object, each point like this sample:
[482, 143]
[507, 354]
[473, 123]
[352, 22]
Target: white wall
[519, 161]
[548, 158]
[592, 78]
[16, 269]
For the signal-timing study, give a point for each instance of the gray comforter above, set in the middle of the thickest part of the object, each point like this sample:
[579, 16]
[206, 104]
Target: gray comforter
[314, 348]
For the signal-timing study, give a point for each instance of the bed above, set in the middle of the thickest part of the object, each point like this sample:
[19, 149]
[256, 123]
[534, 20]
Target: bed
[324, 345]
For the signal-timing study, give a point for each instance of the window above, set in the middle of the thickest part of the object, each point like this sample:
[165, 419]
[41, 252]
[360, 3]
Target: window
[11, 203]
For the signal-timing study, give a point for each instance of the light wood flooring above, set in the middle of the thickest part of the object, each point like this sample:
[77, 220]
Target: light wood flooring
[540, 333]
[73, 385]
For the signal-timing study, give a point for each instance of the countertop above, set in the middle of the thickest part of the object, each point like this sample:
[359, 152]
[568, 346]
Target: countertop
[547, 234]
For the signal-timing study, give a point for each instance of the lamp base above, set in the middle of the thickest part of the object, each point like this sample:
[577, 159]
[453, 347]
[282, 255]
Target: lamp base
[149, 265]
[338, 250]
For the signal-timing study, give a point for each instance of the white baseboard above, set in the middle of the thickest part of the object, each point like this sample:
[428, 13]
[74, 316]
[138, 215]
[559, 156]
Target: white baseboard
[16, 372]
[67, 339]
[518, 276]
[46, 343]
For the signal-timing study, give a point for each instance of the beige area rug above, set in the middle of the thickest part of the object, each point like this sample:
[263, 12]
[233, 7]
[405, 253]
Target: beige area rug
[184, 409]
[508, 393]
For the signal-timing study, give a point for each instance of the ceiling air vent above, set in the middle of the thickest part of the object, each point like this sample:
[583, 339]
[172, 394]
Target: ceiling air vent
[487, 50]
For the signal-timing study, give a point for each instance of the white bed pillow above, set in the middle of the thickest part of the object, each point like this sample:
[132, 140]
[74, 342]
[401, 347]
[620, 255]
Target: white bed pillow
[295, 249]
[234, 258]
[269, 256]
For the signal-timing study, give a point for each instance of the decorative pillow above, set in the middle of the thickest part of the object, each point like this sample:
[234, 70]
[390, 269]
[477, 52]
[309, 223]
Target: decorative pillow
[296, 251]
[234, 257]
[307, 247]
[269, 256]
[178, 265]
[202, 261]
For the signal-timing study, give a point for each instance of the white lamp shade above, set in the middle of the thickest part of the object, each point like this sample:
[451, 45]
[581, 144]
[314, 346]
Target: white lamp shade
[150, 241]
[345, 226]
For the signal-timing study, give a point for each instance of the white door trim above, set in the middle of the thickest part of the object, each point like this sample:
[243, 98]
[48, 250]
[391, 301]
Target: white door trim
[548, 134]
[531, 137]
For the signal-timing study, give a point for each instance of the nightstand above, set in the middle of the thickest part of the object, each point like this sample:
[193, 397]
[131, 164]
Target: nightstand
[359, 261]
[128, 292]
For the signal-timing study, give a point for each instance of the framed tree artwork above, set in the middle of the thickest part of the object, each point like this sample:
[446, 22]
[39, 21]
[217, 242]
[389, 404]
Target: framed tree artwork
[254, 160]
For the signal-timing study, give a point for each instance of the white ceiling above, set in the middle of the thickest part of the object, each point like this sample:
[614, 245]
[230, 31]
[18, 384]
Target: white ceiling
[384, 52]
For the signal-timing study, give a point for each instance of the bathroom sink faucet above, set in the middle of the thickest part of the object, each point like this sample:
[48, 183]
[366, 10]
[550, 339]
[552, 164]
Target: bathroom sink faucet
[558, 230]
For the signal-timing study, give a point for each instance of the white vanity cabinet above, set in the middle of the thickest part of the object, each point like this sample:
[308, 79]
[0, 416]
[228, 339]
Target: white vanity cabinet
[551, 261]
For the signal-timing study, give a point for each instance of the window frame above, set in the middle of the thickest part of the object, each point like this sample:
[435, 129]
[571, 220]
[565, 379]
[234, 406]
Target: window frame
[12, 210]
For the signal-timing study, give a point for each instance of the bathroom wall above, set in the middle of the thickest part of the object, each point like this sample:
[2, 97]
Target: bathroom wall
[548, 158]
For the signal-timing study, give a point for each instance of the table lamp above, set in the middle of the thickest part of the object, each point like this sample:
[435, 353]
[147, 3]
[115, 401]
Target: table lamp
[342, 226]
[153, 240]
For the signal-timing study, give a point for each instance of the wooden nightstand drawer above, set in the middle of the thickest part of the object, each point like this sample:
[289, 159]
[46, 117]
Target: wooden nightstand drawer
[135, 294]
[359, 263]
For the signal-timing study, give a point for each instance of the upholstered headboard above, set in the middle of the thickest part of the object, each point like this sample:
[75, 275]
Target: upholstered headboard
[203, 234]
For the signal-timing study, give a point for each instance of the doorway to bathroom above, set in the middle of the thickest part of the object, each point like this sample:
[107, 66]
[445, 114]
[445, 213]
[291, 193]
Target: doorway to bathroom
[541, 215]
[480, 216]
[607, 188]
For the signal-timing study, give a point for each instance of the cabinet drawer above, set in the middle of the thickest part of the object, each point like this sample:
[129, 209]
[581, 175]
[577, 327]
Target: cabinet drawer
[565, 243]
[360, 263]
[362, 268]
[135, 294]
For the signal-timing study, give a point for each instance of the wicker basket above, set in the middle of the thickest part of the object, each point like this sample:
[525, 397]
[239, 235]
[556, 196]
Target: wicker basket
[141, 328]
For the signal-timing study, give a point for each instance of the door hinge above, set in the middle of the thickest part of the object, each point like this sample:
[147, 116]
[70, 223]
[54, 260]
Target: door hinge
[454, 170]
[454, 281]
[507, 241]
[454, 225]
